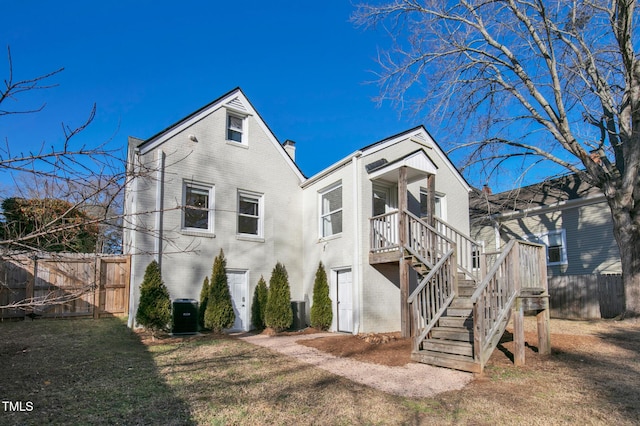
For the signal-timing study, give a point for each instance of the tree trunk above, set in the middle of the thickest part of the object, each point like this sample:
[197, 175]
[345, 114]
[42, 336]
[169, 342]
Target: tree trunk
[627, 234]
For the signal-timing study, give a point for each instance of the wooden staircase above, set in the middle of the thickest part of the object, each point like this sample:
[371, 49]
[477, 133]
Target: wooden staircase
[458, 317]
[462, 304]
[450, 342]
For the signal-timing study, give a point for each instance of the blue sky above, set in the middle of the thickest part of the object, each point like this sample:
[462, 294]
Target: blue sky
[147, 64]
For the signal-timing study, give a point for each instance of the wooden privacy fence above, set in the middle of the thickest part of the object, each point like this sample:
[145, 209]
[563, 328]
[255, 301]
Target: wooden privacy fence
[65, 285]
[586, 296]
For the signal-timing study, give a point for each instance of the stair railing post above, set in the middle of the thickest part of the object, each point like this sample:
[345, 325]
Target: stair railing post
[405, 320]
[518, 318]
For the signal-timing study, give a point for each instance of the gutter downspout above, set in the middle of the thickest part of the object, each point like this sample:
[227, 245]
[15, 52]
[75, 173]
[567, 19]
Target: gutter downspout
[159, 204]
[132, 240]
[357, 249]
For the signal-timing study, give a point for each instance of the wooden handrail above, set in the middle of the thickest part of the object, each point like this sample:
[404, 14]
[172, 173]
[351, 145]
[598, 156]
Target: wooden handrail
[469, 251]
[429, 276]
[517, 267]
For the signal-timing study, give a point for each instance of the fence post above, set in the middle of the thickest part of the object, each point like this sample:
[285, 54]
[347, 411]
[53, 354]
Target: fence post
[31, 281]
[97, 285]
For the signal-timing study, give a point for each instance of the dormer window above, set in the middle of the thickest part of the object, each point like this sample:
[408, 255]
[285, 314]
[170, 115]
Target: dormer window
[236, 128]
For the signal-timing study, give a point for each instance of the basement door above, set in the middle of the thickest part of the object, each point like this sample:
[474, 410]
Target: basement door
[345, 300]
[237, 281]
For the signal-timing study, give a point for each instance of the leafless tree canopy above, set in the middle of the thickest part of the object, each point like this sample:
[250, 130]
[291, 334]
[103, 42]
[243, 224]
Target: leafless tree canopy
[543, 80]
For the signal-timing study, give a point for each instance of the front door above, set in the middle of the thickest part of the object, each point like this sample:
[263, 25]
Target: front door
[237, 281]
[345, 300]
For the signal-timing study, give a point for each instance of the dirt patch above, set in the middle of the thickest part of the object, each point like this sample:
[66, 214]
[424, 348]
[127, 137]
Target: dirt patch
[384, 349]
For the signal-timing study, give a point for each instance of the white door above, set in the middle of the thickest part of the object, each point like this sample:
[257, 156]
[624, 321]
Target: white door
[345, 300]
[237, 281]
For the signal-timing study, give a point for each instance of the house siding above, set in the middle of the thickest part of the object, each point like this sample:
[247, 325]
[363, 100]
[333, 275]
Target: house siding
[188, 257]
[196, 150]
[591, 246]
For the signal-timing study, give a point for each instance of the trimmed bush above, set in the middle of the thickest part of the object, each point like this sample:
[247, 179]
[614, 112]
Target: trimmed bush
[219, 312]
[259, 304]
[321, 310]
[278, 314]
[154, 310]
[204, 298]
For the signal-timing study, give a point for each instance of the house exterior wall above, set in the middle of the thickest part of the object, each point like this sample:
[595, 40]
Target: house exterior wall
[376, 289]
[590, 245]
[187, 256]
[195, 151]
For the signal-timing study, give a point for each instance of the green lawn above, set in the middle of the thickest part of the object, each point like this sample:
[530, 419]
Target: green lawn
[99, 372]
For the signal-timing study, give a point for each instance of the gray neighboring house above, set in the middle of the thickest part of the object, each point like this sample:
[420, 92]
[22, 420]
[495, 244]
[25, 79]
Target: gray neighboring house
[219, 179]
[569, 216]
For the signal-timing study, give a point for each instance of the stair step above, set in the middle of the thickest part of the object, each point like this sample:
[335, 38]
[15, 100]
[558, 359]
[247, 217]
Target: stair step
[449, 347]
[462, 303]
[466, 291]
[457, 362]
[458, 312]
[420, 268]
[452, 333]
[460, 322]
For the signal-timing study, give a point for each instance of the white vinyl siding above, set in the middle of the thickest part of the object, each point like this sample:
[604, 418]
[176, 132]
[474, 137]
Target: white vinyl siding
[331, 211]
[197, 208]
[250, 214]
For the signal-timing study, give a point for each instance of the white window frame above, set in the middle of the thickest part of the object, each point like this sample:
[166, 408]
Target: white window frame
[443, 203]
[243, 132]
[210, 208]
[543, 238]
[260, 199]
[322, 215]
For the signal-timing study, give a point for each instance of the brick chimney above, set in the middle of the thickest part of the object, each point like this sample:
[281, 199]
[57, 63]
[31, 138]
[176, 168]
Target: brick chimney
[486, 189]
[290, 147]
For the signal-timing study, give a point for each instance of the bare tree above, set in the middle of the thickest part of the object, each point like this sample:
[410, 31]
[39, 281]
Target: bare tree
[90, 180]
[543, 81]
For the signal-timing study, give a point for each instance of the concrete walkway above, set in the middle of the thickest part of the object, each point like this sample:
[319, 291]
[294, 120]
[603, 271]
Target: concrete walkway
[412, 380]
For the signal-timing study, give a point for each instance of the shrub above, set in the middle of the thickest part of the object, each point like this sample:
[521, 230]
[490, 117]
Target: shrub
[204, 298]
[219, 312]
[321, 310]
[259, 304]
[154, 310]
[278, 314]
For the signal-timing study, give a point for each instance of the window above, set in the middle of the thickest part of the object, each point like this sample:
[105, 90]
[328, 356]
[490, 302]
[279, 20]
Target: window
[556, 243]
[250, 213]
[331, 211]
[198, 207]
[235, 128]
[440, 203]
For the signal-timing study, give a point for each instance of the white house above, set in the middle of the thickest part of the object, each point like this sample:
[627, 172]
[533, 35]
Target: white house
[219, 179]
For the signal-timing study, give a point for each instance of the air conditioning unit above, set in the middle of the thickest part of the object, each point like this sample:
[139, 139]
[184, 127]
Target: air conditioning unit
[185, 316]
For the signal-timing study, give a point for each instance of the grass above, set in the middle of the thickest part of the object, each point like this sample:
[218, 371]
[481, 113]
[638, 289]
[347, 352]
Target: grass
[99, 372]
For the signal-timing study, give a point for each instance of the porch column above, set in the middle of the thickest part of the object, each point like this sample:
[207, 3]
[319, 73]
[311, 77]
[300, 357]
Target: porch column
[431, 199]
[405, 316]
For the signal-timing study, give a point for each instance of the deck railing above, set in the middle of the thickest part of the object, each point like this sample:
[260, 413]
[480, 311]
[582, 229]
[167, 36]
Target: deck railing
[384, 232]
[469, 252]
[425, 240]
[518, 267]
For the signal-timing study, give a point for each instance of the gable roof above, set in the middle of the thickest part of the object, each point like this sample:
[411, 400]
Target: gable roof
[551, 193]
[418, 134]
[235, 100]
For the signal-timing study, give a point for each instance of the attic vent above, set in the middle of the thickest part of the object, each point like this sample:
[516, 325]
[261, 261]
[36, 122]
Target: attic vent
[420, 137]
[236, 104]
[375, 165]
